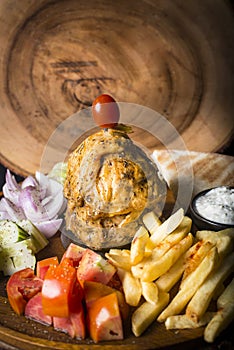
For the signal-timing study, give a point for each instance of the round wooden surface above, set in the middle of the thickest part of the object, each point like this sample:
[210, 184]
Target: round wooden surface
[175, 57]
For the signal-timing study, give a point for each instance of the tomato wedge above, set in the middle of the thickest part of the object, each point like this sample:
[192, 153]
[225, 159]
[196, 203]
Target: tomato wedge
[61, 290]
[104, 320]
[74, 325]
[96, 290]
[21, 287]
[93, 267]
[74, 252]
[34, 310]
[43, 265]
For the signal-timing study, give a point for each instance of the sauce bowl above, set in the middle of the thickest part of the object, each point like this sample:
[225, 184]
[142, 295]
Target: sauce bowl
[202, 219]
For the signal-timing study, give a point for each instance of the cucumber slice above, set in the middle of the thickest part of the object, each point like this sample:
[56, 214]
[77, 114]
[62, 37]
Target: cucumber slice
[16, 256]
[10, 232]
[38, 240]
[7, 266]
[21, 261]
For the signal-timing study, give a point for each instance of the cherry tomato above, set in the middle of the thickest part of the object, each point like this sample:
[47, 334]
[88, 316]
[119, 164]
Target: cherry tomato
[105, 111]
[21, 287]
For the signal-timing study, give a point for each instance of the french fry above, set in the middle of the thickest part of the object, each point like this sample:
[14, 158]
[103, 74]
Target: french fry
[119, 258]
[151, 221]
[226, 297]
[205, 234]
[123, 252]
[218, 291]
[169, 279]
[155, 268]
[145, 314]
[138, 244]
[167, 226]
[150, 292]
[182, 230]
[137, 270]
[149, 247]
[224, 240]
[174, 238]
[190, 285]
[131, 287]
[201, 300]
[223, 317]
[183, 322]
[197, 253]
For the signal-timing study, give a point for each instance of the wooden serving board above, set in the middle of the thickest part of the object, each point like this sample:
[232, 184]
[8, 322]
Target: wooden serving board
[25, 334]
[174, 57]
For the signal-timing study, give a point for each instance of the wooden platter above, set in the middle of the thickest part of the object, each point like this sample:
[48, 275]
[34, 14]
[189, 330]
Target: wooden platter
[174, 57]
[20, 333]
[27, 335]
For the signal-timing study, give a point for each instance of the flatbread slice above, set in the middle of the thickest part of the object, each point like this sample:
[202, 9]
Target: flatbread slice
[209, 169]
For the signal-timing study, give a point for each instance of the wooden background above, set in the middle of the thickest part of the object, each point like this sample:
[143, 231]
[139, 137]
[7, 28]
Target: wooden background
[174, 57]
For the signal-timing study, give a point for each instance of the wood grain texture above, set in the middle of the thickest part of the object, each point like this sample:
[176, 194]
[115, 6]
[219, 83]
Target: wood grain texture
[175, 57]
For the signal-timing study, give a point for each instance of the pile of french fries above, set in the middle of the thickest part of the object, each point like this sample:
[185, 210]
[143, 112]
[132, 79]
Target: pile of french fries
[166, 255]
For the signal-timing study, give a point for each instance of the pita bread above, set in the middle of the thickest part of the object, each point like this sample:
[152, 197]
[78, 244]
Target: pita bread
[208, 169]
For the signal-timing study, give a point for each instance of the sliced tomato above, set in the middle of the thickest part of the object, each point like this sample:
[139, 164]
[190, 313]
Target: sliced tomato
[61, 290]
[21, 287]
[74, 325]
[96, 290]
[93, 267]
[74, 252]
[43, 265]
[104, 320]
[34, 310]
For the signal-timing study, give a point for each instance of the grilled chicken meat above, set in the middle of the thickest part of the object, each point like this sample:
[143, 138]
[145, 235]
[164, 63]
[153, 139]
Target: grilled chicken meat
[110, 183]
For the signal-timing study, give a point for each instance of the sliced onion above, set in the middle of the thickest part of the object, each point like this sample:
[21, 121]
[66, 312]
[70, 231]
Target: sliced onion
[30, 202]
[39, 200]
[53, 207]
[49, 228]
[11, 189]
[29, 181]
[46, 200]
[12, 195]
[4, 215]
[3, 212]
[34, 210]
[63, 207]
[50, 186]
[15, 213]
[11, 181]
[42, 180]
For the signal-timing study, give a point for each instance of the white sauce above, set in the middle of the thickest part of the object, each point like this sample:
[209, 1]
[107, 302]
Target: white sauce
[217, 205]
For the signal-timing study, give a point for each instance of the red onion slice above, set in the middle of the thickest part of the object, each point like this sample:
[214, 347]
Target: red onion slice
[39, 200]
[49, 228]
[29, 181]
[15, 213]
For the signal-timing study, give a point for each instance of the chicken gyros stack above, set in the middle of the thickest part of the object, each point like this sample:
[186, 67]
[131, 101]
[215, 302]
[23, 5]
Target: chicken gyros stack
[110, 183]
